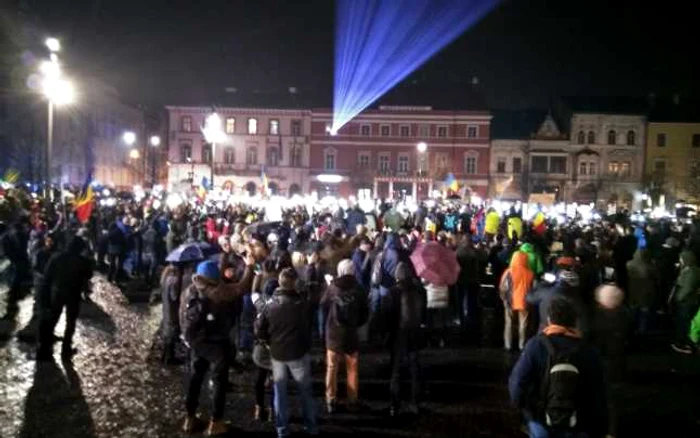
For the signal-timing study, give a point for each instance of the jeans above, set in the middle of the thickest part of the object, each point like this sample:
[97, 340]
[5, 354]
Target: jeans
[333, 361]
[300, 371]
[149, 266]
[538, 430]
[522, 316]
[218, 359]
[49, 318]
[115, 266]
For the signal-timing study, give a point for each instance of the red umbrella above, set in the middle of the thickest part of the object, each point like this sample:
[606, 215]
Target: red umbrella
[436, 264]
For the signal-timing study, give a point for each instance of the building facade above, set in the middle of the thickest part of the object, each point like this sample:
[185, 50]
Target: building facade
[275, 141]
[673, 160]
[376, 154]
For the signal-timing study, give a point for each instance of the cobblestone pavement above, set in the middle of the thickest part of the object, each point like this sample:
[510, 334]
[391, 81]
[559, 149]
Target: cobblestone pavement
[115, 389]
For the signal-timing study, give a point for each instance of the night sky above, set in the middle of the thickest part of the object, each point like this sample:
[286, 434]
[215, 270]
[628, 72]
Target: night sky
[525, 53]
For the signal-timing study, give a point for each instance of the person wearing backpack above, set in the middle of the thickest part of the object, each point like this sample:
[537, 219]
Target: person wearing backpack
[558, 382]
[345, 303]
[206, 320]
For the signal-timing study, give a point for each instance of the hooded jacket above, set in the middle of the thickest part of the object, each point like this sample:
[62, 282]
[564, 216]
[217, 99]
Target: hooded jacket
[534, 259]
[520, 279]
[688, 281]
[67, 273]
[393, 254]
[339, 338]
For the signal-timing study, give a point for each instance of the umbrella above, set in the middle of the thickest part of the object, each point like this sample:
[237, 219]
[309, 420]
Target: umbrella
[436, 264]
[191, 252]
[393, 219]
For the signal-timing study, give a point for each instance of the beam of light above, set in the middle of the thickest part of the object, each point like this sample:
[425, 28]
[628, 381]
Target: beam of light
[380, 42]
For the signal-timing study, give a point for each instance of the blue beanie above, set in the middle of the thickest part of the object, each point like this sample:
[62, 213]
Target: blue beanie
[209, 270]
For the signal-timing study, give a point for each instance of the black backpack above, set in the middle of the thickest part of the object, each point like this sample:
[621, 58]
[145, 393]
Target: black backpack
[349, 310]
[560, 387]
[194, 321]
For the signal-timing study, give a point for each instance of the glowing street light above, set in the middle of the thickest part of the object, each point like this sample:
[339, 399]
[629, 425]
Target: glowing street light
[53, 44]
[58, 91]
[129, 138]
[134, 154]
[422, 147]
[213, 134]
[155, 141]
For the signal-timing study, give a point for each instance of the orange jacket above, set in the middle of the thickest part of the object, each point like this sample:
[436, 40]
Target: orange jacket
[517, 280]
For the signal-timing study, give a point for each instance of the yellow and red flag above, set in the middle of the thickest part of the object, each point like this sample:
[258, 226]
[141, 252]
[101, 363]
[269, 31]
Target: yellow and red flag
[84, 203]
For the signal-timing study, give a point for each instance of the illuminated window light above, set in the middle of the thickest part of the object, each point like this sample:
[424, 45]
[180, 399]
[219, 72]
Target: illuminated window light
[329, 178]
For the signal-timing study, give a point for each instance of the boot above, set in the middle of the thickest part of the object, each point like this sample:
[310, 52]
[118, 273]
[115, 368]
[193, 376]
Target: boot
[189, 424]
[216, 428]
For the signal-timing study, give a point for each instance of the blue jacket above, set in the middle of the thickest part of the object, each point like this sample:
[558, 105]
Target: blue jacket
[354, 218]
[363, 271]
[524, 383]
[393, 254]
[542, 296]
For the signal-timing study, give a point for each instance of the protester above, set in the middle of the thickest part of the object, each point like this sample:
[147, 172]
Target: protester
[516, 284]
[643, 283]
[685, 301]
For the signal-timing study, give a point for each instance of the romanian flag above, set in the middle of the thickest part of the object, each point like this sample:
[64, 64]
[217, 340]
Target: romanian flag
[539, 224]
[85, 201]
[11, 176]
[451, 182]
[265, 182]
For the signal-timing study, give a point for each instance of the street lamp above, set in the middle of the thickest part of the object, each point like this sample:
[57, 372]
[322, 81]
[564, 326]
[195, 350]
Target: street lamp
[129, 138]
[155, 142]
[421, 147]
[213, 134]
[53, 44]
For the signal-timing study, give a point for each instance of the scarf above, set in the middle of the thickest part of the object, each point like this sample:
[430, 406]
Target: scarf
[554, 329]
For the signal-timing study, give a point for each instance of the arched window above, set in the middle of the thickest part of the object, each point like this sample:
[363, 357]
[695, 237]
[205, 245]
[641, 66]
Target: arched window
[581, 137]
[591, 137]
[229, 155]
[251, 188]
[631, 138]
[206, 153]
[612, 137]
[329, 159]
[273, 156]
[252, 126]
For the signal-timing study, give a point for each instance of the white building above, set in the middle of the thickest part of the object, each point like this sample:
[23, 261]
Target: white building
[276, 140]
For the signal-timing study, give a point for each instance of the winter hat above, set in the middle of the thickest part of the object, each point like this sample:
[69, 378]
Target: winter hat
[672, 242]
[209, 270]
[346, 267]
[609, 296]
[569, 277]
[287, 279]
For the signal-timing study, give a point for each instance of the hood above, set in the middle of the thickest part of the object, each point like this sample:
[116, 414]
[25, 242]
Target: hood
[346, 282]
[204, 285]
[392, 241]
[519, 260]
[688, 258]
[528, 248]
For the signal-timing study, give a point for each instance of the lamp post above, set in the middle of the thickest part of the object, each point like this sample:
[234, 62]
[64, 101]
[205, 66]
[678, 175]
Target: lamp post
[213, 134]
[155, 142]
[58, 91]
[129, 139]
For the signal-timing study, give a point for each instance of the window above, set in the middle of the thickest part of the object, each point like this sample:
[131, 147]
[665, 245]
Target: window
[625, 168]
[273, 156]
[363, 160]
[295, 155]
[591, 137]
[274, 127]
[612, 137]
[186, 123]
[424, 131]
[614, 167]
[583, 168]
[206, 153]
[251, 156]
[501, 165]
[229, 155]
[631, 138]
[403, 164]
[539, 164]
[296, 128]
[185, 153]
[660, 167]
[592, 168]
[581, 137]
[252, 126]
[696, 141]
[557, 165]
[384, 165]
[329, 159]
[661, 140]
[470, 165]
[441, 161]
[472, 131]
[517, 165]
[405, 130]
[230, 125]
[365, 130]
[385, 130]
[442, 131]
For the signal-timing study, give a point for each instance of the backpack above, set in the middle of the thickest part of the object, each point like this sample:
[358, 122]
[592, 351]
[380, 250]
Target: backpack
[196, 317]
[560, 388]
[377, 274]
[349, 311]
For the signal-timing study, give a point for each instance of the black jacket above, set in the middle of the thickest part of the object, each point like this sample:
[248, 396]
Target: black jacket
[340, 338]
[285, 324]
[408, 302]
[67, 273]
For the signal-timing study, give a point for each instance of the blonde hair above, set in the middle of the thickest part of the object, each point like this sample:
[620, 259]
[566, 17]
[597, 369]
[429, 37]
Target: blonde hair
[346, 267]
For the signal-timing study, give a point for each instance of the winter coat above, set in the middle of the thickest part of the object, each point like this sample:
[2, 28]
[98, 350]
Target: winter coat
[354, 218]
[525, 382]
[67, 274]
[438, 297]
[609, 329]
[341, 338]
[492, 221]
[362, 263]
[221, 296]
[517, 282]
[150, 241]
[408, 304]
[642, 278]
[285, 324]
[470, 265]
[171, 290]
[688, 282]
[534, 259]
[393, 254]
[542, 296]
[116, 241]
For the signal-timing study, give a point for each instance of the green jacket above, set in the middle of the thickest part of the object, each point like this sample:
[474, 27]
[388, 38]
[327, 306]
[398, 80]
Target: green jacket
[688, 282]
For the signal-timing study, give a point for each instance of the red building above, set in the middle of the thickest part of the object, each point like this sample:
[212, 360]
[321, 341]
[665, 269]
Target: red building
[378, 152]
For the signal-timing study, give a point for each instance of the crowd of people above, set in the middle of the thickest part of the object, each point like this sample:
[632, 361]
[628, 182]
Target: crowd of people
[236, 288]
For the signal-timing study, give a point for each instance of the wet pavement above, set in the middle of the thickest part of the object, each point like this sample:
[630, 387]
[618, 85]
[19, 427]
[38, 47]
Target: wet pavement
[115, 388]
